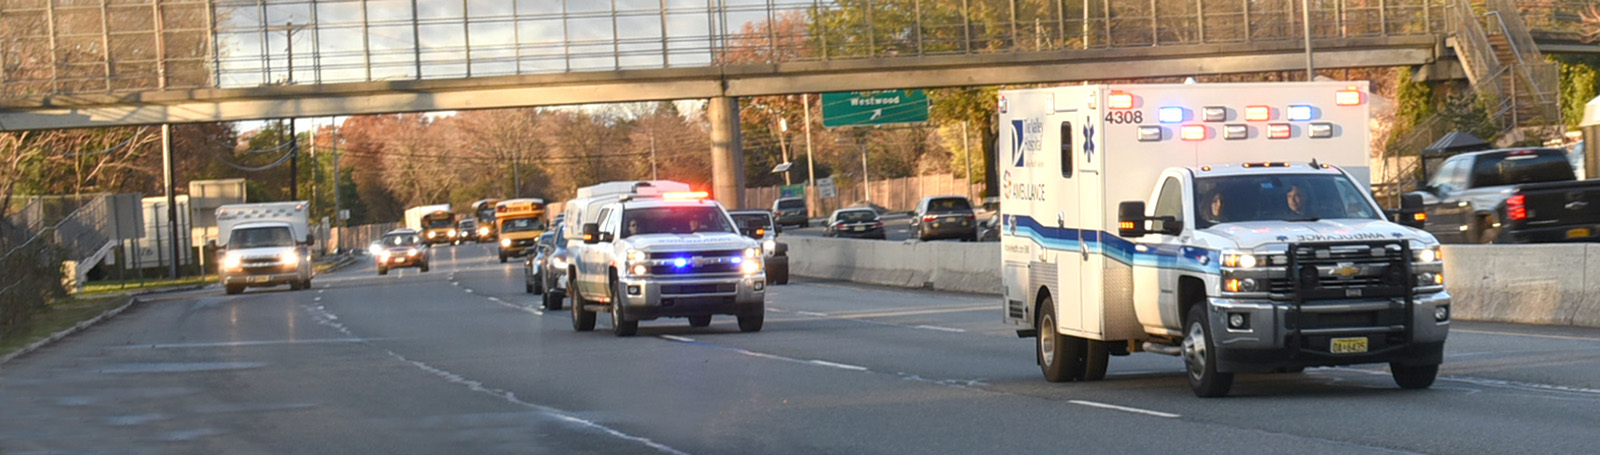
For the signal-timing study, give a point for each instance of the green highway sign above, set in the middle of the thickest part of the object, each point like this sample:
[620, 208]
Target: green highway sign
[877, 107]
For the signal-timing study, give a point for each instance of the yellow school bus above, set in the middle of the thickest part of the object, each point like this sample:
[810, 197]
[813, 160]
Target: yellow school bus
[519, 222]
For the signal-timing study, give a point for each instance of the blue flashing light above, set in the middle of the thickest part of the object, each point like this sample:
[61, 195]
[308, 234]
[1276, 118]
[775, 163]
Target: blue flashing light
[737, 260]
[1172, 114]
[1299, 113]
[680, 262]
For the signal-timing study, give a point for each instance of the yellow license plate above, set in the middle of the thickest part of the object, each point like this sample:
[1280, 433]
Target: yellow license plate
[260, 279]
[1352, 345]
[1578, 233]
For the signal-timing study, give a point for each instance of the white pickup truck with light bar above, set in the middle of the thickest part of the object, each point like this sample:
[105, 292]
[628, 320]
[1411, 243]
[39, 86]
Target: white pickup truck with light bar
[649, 256]
[1261, 250]
[266, 244]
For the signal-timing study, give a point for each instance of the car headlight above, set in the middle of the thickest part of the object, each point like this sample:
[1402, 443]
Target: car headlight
[289, 257]
[433, 234]
[1428, 254]
[505, 242]
[750, 267]
[1238, 260]
[452, 233]
[752, 253]
[384, 254]
[640, 269]
[558, 262]
[769, 246]
[412, 252]
[636, 255]
[230, 261]
[375, 250]
[483, 231]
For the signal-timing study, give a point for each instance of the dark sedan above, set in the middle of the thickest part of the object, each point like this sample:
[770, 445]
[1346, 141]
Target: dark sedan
[862, 223]
[945, 217]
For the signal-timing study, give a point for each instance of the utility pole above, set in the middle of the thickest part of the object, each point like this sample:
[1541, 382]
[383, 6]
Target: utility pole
[653, 175]
[1305, 22]
[294, 141]
[172, 199]
[783, 147]
[866, 180]
[338, 208]
[811, 168]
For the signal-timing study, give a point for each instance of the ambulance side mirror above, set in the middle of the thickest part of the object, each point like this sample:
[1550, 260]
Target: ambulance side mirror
[1411, 211]
[1130, 219]
[591, 233]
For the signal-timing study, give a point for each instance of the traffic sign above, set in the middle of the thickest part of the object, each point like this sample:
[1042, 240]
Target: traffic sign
[874, 107]
[825, 189]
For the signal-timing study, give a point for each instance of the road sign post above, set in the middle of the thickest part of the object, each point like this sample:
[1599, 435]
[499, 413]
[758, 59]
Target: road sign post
[878, 107]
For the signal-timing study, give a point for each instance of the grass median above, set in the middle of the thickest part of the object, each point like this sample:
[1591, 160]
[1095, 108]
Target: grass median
[109, 287]
[56, 317]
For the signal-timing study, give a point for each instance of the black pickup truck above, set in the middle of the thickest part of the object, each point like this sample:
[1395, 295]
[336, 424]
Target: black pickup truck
[1511, 196]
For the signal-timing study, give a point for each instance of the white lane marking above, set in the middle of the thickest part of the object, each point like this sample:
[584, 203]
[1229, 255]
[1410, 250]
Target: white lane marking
[1530, 335]
[777, 310]
[1124, 409]
[839, 365]
[941, 329]
[885, 314]
[319, 291]
[515, 306]
[538, 311]
[452, 283]
[325, 318]
[678, 338]
[811, 313]
[317, 299]
[243, 343]
[469, 291]
[767, 356]
[495, 300]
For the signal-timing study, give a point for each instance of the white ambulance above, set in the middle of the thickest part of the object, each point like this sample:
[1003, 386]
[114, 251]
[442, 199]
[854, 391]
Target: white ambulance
[1230, 224]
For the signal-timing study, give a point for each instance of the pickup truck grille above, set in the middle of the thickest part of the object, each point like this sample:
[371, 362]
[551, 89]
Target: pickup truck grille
[691, 289]
[686, 254]
[1346, 270]
[693, 269]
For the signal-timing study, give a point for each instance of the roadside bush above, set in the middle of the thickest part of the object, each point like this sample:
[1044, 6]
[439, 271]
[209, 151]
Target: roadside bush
[31, 279]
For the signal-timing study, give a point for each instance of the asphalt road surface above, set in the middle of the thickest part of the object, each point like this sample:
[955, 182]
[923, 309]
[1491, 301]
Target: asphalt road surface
[458, 360]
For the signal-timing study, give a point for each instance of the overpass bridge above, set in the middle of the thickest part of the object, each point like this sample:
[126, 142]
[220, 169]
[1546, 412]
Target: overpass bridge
[175, 61]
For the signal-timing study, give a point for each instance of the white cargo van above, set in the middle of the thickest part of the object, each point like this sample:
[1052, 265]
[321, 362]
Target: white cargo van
[1231, 224]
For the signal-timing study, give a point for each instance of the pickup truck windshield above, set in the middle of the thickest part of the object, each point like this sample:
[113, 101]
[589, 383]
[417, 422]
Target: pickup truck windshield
[674, 220]
[522, 224]
[1514, 168]
[1278, 197]
[263, 237]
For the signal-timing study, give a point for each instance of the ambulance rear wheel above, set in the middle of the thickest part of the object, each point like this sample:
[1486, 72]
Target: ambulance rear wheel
[1060, 356]
[1200, 356]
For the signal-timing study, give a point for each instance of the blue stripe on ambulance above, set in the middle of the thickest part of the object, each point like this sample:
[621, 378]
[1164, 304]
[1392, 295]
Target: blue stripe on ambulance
[1201, 260]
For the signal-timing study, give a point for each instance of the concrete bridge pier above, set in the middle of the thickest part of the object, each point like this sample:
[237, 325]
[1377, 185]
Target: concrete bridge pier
[727, 158]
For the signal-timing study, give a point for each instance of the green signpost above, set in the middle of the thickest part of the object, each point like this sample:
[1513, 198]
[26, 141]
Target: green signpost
[874, 107]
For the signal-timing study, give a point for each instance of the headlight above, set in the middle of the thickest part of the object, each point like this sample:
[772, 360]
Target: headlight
[483, 231]
[433, 234]
[411, 252]
[1237, 285]
[375, 250]
[505, 242]
[750, 267]
[452, 233]
[640, 269]
[769, 246]
[1428, 254]
[752, 253]
[557, 262]
[1243, 261]
[289, 257]
[384, 254]
[230, 261]
[636, 255]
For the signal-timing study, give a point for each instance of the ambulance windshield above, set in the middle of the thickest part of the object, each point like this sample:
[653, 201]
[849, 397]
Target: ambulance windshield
[1278, 197]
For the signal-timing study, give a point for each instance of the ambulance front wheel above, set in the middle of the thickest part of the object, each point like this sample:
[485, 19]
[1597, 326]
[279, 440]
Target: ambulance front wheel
[1060, 356]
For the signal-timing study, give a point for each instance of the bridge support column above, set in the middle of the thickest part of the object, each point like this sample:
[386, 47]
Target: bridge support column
[727, 158]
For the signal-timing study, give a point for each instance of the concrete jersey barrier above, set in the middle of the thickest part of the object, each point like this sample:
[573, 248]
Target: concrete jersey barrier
[1530, 284]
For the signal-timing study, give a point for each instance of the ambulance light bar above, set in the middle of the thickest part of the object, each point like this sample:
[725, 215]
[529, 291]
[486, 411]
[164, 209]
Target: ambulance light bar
[1348, 97]
[1120, 100]
[1193, 132]
[1300, 113]
[1172, 114]
[1320, 130]
[1149, 133]
[1216, 114]
[1278, 131]
[1257, 113]
[1235, 132]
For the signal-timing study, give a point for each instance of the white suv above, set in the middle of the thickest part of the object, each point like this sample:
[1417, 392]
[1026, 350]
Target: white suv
[671, 256]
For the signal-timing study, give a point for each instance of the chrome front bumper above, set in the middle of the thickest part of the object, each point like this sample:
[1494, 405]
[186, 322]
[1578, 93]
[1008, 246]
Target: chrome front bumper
[643, 298]
[1270, 333]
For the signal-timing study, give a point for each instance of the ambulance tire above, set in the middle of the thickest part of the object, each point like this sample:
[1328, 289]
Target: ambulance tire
[1095, 359]
[1060, 356]
[582, 320]
[1200, 356]
[1412, 377]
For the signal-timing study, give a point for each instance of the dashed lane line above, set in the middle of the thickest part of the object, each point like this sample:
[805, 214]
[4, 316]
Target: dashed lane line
[1095, 404]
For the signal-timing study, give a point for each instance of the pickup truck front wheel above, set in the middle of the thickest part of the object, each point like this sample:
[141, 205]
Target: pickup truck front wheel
[1200, 356]
[1411, 377]
[751, 322]
[620, 325]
